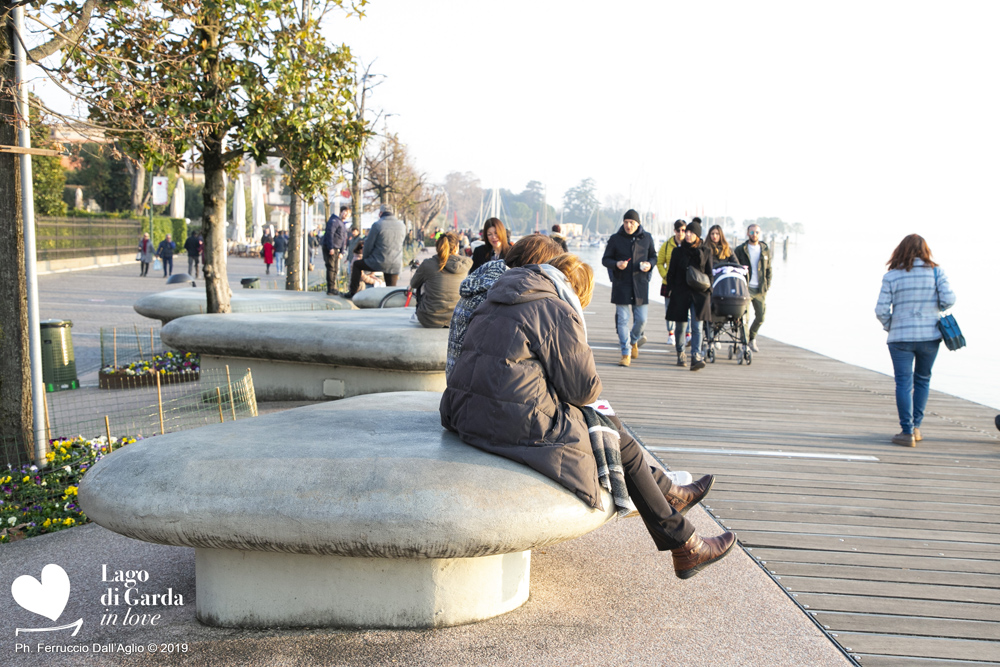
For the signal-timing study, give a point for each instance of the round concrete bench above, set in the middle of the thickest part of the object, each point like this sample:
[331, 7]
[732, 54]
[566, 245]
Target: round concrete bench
[167, 306]
[318, 355]
[358, 513]
[383, 297]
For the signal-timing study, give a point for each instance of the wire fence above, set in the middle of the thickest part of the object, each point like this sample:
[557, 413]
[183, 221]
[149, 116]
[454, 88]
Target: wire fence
[124, 345]
[141, 406]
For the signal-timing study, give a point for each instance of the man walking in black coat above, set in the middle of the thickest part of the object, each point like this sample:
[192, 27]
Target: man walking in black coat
[629, 256]
[193, 246]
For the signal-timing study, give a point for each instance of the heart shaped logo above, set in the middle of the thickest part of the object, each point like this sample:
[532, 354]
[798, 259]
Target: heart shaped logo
[47, 598]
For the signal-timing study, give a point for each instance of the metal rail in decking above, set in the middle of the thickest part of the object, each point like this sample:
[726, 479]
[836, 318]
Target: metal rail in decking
[894, 551]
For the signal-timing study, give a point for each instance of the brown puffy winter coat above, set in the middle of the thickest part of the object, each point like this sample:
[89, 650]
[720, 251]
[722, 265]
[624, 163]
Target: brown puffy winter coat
[524, 368]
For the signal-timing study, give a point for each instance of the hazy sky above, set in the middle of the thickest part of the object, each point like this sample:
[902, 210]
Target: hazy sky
[848, 113]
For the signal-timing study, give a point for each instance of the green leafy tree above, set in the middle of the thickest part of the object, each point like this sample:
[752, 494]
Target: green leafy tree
[580, 202]
[103, 177]
[48, 176]
[230, 79]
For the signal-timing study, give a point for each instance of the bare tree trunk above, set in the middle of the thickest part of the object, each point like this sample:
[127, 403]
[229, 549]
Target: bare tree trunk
[138, 173]
[296, 220]
[15, 368]
[356, 183]
[213, 227]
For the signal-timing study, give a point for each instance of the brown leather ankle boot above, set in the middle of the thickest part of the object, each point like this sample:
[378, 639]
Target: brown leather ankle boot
[683, 498]
[696, 554]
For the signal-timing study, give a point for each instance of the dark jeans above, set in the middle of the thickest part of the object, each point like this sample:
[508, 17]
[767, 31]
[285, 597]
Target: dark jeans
[168, 265]
[144, 269]
[759, 307]
[193, 265]
[332, 269]
[666, 526]
[359, 266]
[912, 363]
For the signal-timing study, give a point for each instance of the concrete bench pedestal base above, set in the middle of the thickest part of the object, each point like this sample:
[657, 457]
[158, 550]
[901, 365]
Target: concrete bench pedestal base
[257, 589]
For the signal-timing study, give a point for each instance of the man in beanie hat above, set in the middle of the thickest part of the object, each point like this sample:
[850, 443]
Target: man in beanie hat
[756, 256]
[629, 256]
[383, 250]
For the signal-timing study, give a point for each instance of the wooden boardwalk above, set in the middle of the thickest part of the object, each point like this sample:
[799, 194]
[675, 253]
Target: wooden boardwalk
[895, 551]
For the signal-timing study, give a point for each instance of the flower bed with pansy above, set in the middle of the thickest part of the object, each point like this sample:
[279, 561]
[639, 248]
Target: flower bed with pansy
[36, 501]
[172, 367]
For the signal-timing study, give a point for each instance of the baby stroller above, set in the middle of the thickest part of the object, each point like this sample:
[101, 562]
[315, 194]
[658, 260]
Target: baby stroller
[730, 300]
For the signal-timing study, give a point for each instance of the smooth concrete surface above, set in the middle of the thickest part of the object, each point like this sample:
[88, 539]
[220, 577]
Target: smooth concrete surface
[183, 301]
[45, 267]
[310, 381]
[605, 599]
[372, 297]
[371, 476]
[258, 589]
[373, 338]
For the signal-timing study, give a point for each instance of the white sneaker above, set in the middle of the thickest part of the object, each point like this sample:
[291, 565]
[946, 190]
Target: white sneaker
[670, 339]
[753, 345]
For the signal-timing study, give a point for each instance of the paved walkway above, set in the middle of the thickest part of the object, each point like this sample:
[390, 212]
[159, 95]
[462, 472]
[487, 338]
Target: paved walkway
[609, 598]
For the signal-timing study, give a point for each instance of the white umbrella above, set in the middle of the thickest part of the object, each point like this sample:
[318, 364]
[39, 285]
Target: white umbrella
[177, 203]
[257, 206]
[239, 211]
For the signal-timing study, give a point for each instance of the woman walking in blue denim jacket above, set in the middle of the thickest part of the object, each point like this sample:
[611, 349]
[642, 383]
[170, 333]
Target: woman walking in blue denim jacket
[914, 292]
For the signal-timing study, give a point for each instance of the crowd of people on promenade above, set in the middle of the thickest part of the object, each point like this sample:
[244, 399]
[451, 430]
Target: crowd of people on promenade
[685, 262]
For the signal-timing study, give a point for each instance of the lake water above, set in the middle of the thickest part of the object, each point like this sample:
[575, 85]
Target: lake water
[823, 299]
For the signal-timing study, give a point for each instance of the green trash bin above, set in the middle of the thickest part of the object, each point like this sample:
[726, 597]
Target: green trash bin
[58, 361]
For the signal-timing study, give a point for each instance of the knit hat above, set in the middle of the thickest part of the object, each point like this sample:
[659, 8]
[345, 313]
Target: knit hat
[695, 228]
[632, 215]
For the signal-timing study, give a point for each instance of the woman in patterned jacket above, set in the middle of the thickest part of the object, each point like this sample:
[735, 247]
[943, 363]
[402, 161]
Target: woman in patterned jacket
[914, 292]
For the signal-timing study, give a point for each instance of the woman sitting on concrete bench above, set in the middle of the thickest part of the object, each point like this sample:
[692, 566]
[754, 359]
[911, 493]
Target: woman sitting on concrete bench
[438, 279]
[519, 390]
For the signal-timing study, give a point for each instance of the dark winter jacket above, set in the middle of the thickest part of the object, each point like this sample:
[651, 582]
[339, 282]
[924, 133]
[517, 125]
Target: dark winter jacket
[482, 254]
[280, 243]
[166, 249]
[335, 237]
[384, 245]
[193, 246]
[629, 285]
[524, 369]
[682, 296]
[763, 265]
[439, 289]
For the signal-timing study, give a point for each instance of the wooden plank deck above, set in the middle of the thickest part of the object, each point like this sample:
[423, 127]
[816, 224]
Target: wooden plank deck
[894, 551]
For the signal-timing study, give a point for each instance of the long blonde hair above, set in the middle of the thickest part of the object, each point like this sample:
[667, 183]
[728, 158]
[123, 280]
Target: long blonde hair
[579, 274]
[446, 246]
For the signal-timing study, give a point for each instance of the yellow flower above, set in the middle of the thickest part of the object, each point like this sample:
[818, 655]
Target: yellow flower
[68, 521]
[48, 522]
[50, 456]
[26, 479]
[70, 491]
